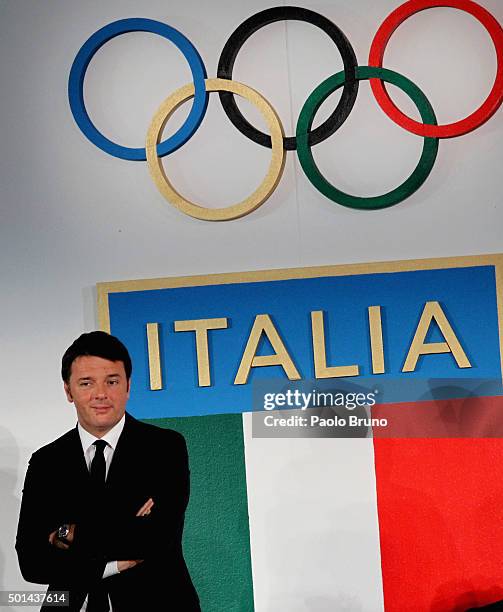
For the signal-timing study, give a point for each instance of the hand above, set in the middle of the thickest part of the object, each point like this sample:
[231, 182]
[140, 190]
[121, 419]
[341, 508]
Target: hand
[63, 545]
[125, 565]
[146, 508]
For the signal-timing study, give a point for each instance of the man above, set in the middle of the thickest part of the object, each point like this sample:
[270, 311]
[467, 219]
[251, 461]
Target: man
[103, 506]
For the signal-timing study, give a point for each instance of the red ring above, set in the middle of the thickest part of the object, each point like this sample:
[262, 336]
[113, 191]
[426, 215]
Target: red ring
[448, 130]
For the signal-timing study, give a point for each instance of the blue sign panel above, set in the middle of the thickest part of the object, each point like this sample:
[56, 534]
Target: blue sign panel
[465, 324]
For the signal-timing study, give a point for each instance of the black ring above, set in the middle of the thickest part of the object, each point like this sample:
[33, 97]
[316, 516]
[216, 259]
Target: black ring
[280, 13]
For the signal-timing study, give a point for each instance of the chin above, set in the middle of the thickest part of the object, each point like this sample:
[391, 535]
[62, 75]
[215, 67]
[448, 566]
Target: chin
[103, 424]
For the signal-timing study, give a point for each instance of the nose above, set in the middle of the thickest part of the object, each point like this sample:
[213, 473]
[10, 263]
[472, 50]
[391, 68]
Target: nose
[100, 391]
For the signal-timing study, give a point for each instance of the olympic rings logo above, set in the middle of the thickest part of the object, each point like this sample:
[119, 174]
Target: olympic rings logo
[304, 138]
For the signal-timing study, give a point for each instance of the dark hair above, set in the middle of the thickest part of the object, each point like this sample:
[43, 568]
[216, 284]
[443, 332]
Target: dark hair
[95, 344]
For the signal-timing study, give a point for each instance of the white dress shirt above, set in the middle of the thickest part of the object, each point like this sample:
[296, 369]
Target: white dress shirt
[87, 440]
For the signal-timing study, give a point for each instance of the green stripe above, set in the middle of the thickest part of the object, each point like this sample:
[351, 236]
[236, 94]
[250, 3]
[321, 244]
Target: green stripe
[216, 540]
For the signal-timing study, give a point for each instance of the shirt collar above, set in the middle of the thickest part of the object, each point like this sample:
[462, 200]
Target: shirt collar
[111, 437]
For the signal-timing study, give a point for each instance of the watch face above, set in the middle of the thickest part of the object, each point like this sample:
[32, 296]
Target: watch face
[63, 531]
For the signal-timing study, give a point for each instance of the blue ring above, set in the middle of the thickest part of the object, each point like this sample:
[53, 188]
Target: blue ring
[85, 55]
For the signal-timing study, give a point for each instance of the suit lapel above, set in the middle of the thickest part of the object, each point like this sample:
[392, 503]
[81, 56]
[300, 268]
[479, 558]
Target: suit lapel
[71, 500]
[124, 453]
[74, 458]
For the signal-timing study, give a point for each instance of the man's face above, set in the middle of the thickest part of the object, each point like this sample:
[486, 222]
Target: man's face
[100, 391]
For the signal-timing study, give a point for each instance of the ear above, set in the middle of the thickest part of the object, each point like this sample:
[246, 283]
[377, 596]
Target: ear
[128, 387]
[69, 395]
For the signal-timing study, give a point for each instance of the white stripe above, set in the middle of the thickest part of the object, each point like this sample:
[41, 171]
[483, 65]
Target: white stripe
[313, 524]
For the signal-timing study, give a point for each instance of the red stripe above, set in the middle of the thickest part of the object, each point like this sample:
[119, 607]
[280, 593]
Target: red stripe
[440, 507]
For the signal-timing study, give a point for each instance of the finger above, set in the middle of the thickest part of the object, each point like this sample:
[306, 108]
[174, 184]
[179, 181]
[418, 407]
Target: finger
[148, 504]
[71, 534]
[145, 509]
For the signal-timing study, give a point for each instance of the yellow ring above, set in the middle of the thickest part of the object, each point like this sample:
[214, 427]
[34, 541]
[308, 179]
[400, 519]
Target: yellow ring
[259, 196]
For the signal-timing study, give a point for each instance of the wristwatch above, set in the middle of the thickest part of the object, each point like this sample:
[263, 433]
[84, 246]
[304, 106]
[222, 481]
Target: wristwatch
[63, 532]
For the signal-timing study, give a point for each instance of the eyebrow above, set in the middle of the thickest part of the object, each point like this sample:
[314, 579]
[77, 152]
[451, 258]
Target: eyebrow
[117, 375]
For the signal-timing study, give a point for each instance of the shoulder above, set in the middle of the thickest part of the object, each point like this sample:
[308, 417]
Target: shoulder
[152, 433]
[157, 444]
[58, 446]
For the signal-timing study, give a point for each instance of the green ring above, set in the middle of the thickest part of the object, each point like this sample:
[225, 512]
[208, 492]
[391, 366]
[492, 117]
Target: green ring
[403, 191]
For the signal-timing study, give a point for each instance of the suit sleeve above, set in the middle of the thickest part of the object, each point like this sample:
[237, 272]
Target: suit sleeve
[39, 561]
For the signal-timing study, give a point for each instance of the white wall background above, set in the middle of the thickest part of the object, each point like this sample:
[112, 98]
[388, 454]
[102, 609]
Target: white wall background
[72, 216]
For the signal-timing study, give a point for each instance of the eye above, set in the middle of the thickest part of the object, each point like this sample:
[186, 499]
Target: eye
[84, 383]
[113, 382]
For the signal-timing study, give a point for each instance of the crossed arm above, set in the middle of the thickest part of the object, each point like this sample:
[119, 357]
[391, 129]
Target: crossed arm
[68, 541]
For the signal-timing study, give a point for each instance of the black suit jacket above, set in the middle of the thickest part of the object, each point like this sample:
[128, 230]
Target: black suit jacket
[148, 462]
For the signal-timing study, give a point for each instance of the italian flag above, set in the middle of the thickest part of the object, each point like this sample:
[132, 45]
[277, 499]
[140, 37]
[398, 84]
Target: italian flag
[394, 524]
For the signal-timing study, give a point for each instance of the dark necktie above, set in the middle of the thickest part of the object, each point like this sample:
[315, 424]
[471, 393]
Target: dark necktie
[98, 467]
[98, 598]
